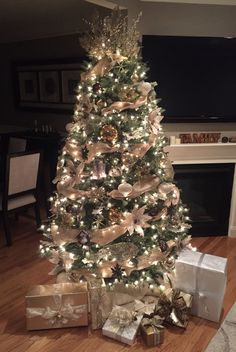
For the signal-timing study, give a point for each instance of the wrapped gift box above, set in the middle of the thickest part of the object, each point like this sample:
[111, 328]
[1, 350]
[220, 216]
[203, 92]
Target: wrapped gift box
[57, 306]
[118, 331]
[102, 299]
[174, 307]
[152, 331]
[204, 276]
[101, 303]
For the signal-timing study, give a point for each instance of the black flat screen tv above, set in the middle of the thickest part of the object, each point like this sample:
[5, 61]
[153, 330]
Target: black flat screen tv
[196, 77]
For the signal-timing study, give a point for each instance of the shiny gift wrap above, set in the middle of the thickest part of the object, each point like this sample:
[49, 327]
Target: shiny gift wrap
[57, 306]
[204, 276]
[152, 331]
[174, 307]
[122, 325]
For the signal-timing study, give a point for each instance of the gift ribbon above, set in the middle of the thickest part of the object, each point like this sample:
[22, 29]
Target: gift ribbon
[121, 316]
[173, 309]
[60, 315]
[154, 322]
[201, 296]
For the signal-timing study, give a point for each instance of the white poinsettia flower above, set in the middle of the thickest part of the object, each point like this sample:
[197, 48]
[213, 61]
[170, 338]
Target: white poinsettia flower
[137, 221]
[144, 88]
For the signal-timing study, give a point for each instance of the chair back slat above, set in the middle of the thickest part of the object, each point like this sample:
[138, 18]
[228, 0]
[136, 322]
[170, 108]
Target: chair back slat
[23, 173]
[16, 145]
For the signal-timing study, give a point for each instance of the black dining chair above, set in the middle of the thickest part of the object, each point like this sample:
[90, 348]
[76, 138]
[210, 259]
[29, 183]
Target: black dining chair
[16, 145]
[21, 187]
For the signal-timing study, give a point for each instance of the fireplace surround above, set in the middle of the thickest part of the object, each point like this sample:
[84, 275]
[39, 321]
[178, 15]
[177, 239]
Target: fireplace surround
[216, 161]
[206, 189]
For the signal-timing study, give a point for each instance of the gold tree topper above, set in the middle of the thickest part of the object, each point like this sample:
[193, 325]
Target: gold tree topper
[111, 36]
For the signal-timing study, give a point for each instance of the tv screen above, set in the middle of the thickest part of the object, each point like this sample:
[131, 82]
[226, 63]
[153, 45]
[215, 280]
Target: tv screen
[196, 76]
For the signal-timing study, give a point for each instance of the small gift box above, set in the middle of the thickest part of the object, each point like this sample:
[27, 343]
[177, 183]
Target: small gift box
[122, 325]
[174, 307]
[204, 276]
[152, 331]
[57, 306]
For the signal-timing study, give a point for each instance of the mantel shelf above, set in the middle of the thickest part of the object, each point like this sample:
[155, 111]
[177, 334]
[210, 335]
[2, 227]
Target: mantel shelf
[183, 145]
[202, 153]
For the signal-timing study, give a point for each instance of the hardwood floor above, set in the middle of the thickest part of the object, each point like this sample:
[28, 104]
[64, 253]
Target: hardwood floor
[21, 267]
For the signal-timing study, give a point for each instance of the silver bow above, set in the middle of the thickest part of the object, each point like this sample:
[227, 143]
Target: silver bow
[59, 315]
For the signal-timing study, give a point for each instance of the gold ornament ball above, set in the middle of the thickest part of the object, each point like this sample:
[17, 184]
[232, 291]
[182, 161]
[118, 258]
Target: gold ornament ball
[109, 133]
[114, 215]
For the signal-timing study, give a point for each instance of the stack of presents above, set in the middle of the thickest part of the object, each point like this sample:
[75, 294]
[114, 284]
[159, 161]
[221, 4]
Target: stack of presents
[122, 312]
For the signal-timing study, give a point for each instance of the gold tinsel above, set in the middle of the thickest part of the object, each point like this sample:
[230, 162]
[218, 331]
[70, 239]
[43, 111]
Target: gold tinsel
[109, 133]
[111, 35]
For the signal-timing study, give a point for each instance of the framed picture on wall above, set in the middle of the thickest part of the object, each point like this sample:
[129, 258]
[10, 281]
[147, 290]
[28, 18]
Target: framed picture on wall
[28, 87]
[47, 85]
[70, 80]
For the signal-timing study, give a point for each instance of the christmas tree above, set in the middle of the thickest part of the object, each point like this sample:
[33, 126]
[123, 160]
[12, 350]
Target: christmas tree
[117, 214]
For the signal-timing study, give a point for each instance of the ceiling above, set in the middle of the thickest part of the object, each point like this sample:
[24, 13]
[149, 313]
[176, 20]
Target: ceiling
[31, 19]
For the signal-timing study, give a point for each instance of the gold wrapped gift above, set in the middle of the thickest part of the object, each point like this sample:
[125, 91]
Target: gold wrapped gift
[152, 331]
[174, 307]
[57, 306]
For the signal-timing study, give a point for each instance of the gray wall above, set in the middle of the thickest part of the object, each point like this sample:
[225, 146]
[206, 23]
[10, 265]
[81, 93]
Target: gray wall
[42, 49]
[158, 18]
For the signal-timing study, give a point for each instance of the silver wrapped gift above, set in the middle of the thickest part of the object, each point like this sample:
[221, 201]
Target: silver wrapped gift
[123, 329]
[203, 276]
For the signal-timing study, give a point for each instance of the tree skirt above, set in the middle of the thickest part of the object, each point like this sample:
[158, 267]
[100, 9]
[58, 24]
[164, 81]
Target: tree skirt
[225, 338]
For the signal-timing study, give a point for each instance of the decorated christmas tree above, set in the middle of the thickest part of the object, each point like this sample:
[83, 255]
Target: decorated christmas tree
[117, 214]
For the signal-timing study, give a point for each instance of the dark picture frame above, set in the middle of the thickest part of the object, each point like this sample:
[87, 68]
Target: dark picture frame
[28, 87]
[49, 89]
[48, 86]
[70, 80]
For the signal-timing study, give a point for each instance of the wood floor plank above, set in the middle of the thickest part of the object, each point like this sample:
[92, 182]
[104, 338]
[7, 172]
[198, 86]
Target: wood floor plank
[21, 267]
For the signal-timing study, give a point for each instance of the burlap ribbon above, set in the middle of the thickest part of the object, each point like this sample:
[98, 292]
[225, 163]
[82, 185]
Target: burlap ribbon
[146, 184]
[174, 307]
[59, 315]
[103, 66]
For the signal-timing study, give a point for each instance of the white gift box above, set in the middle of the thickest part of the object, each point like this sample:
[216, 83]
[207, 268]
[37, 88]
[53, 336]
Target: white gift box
[203, 276]
[125, 334]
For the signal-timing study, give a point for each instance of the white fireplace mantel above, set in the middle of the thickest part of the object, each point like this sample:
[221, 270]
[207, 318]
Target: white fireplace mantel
[208, 153]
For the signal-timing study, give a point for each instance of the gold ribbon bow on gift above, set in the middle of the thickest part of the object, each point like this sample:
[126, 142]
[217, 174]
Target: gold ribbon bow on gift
[59, 315]
[152, 325]
[174, 307]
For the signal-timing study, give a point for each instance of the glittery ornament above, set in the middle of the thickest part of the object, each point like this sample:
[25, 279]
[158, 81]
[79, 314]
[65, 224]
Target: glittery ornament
[163, 245]
[83, 238]
[69, 208]
[114, 215]
[109, 133]
[154, 211]
[96, 87]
